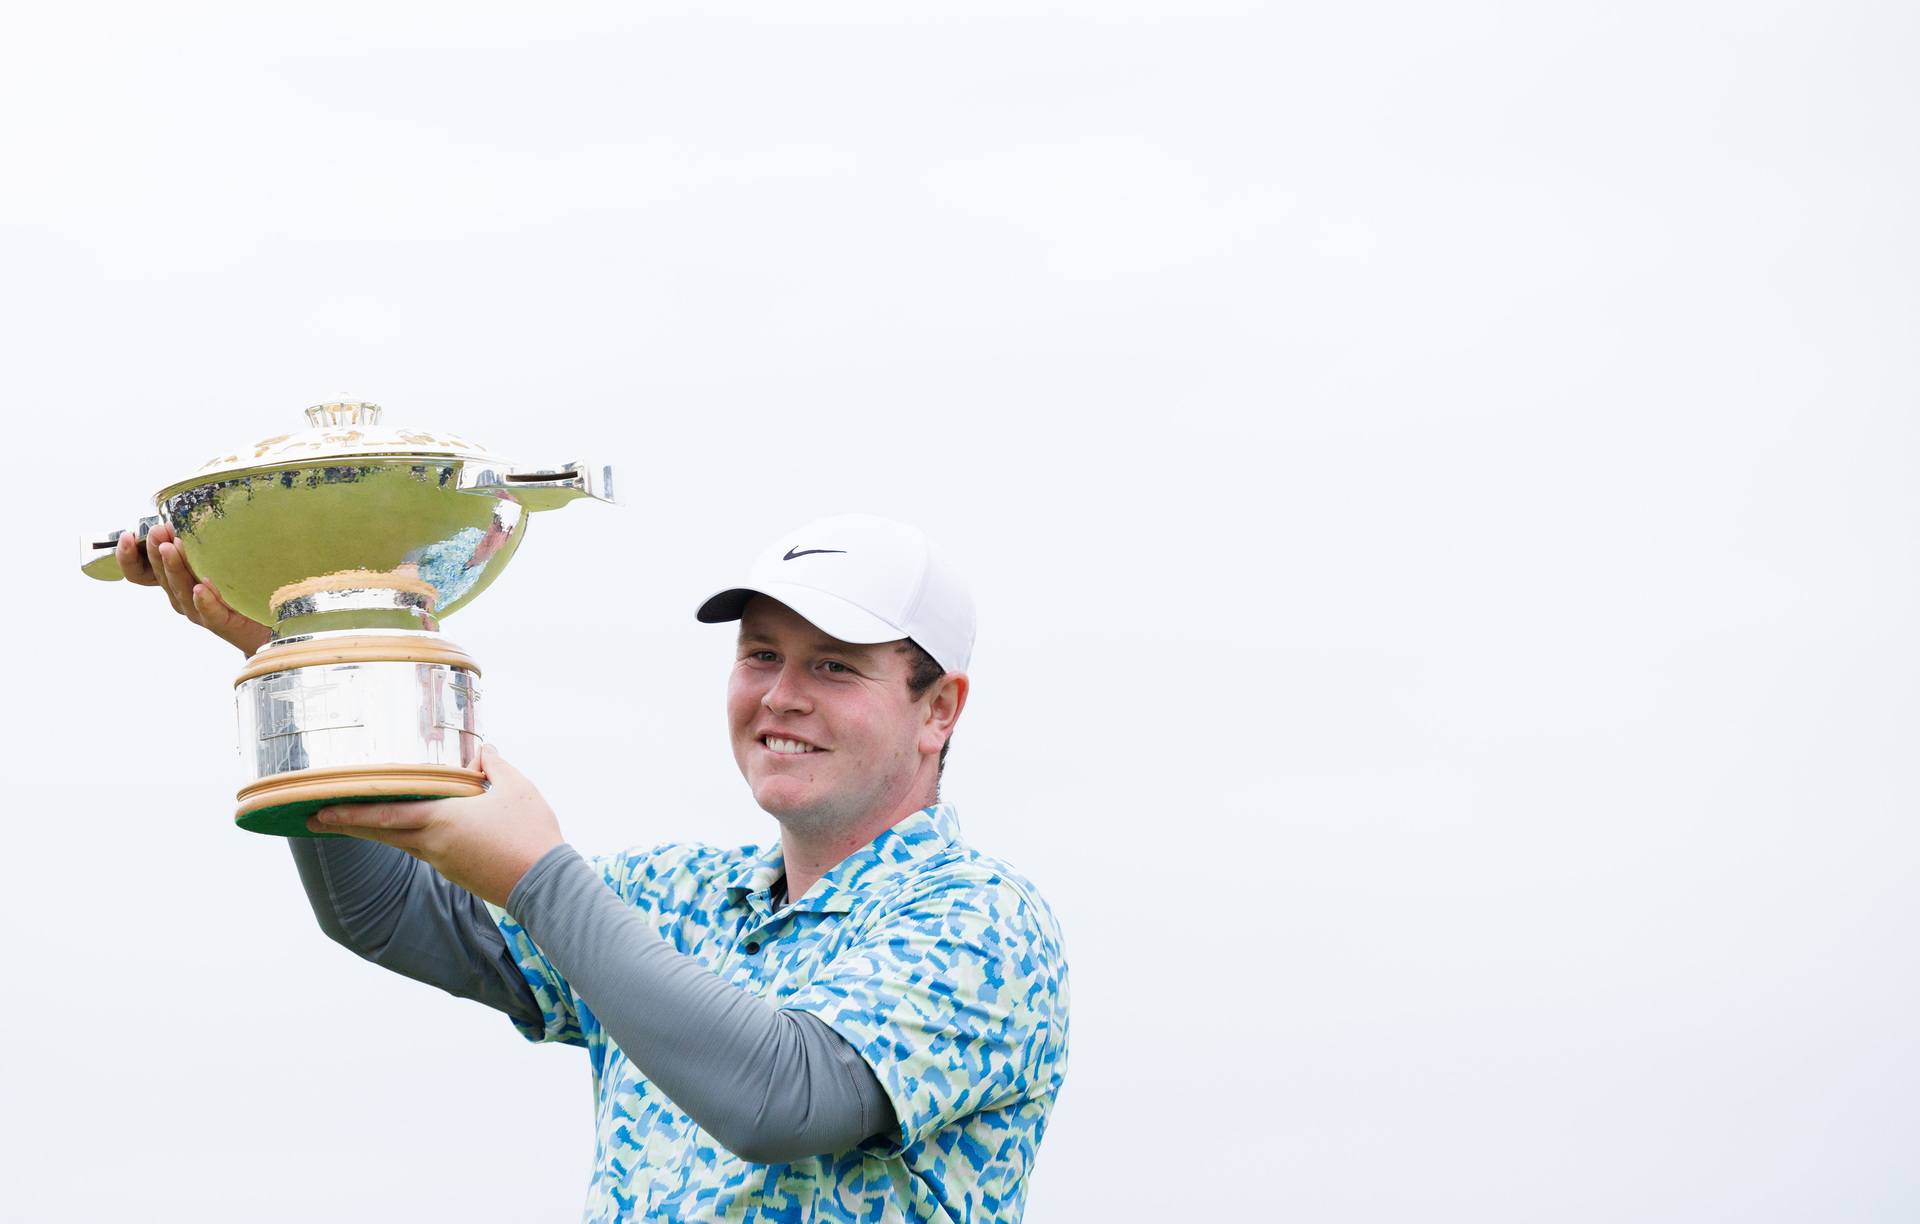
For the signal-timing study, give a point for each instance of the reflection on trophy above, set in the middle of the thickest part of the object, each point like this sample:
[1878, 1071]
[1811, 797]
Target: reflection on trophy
[351, 541]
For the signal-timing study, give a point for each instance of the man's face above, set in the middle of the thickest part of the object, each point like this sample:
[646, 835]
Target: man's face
[825, 732]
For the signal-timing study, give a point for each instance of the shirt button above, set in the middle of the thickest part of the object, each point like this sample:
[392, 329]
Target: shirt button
[753, 945]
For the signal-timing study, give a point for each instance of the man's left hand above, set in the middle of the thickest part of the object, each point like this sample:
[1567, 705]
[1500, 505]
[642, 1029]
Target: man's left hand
[483, 844]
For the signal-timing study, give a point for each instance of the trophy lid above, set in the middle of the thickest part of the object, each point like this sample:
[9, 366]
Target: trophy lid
[341, 429]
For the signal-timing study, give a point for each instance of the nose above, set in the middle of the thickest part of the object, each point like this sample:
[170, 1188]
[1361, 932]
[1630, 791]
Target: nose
[788, 694]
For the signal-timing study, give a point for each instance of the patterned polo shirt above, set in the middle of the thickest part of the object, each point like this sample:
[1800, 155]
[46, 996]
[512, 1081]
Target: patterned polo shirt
[940, 965]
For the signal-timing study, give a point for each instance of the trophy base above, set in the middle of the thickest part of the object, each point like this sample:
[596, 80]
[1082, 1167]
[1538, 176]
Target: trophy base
[360, 717]
[280, 805]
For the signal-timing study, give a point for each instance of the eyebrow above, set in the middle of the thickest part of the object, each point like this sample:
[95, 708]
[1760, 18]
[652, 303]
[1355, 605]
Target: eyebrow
[820, 645]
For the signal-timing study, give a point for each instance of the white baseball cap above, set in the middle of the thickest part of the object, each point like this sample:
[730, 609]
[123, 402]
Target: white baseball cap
[862, 579]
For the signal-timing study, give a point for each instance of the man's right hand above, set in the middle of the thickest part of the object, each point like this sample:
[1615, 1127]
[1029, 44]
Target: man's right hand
[161, 563]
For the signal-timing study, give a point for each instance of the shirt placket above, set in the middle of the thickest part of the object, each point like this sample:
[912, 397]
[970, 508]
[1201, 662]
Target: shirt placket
[750, 963]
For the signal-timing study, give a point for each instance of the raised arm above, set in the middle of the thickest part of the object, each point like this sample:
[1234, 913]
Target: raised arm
[769, 1084]
[402, 915]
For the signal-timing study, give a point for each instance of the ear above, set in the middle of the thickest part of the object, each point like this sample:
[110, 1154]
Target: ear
[944, 703]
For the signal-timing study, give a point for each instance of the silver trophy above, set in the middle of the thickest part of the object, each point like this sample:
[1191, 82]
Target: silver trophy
[351, 541]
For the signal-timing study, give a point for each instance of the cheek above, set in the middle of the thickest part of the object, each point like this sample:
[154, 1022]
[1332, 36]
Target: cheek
[871, 735]
[742, 701]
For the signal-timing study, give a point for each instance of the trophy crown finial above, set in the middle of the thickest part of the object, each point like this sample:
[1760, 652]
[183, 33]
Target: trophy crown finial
[344, 412]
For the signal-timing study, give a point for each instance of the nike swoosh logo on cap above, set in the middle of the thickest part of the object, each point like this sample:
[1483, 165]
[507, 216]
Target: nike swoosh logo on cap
[802, 552]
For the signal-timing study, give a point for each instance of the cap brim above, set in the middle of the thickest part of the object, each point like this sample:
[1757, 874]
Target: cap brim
[830, 614]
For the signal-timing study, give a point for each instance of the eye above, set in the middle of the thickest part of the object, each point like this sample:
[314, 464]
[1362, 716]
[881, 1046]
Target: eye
[835, 667]
[761, 656]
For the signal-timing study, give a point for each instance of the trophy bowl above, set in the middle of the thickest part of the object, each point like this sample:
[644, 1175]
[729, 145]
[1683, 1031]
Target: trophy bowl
[351, 541]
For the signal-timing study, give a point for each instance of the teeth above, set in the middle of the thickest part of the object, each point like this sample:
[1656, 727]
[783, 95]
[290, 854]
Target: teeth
[786, 745]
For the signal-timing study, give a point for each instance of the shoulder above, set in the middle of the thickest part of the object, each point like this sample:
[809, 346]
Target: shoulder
[959, 869]
[977, 898]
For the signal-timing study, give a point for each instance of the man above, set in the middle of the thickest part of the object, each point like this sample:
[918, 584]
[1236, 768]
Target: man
[864, 1021]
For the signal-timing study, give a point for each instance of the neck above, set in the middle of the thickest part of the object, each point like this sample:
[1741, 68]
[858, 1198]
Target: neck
[809, 855]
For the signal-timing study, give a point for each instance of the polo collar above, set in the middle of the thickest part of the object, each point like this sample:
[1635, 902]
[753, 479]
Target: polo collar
[913, 839]
[755, 874]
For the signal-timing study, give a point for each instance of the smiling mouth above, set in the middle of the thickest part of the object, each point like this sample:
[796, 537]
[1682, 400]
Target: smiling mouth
[788, 747]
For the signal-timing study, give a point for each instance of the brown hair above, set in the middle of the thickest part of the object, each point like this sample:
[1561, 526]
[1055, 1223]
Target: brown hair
[923, 672]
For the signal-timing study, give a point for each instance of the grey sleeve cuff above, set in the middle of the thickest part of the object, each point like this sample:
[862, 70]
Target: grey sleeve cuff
[401, 914]
[770, 1085]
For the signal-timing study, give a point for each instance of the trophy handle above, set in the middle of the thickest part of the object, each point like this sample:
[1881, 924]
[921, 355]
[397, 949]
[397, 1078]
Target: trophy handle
[540, 488]
[96, 552]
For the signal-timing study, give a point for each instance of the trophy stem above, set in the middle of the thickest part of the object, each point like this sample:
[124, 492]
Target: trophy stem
[354, 599]
[354, 717]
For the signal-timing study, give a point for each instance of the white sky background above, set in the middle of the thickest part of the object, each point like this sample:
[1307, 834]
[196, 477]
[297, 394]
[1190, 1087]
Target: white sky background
[1439, 484]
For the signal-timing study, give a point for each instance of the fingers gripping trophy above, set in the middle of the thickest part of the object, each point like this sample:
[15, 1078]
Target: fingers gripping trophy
[330, 556]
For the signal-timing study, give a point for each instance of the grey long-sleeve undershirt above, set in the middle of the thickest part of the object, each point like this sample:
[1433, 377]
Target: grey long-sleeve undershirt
[770, 1085]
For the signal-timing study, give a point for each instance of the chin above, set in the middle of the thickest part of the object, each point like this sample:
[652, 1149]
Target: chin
[796, 807]
[778, 796]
